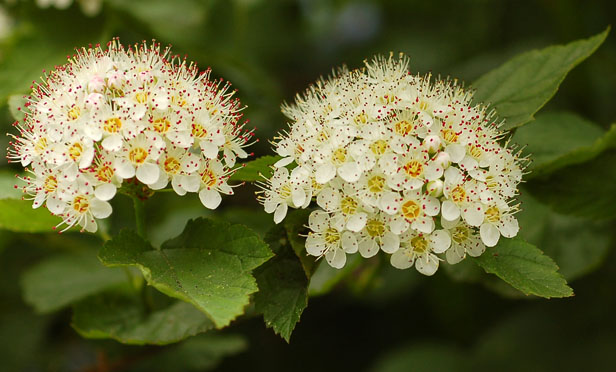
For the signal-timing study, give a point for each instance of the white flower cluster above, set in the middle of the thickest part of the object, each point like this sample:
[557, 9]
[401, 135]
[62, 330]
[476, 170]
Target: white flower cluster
[398, 163]
[110, 115]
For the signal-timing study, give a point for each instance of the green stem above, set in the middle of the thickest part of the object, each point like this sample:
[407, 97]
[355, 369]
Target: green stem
[139, 216]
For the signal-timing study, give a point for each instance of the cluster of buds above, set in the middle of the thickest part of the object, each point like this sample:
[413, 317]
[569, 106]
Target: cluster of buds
[111, 115]
[396, 162]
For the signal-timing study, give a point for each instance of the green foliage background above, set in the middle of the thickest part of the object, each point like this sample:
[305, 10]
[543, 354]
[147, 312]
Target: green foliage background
[368, 316]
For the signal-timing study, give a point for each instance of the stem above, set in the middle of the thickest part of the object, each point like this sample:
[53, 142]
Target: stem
[139, 216]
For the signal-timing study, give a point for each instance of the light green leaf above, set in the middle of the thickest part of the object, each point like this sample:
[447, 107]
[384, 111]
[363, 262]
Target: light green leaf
[66, 278]
[584, 190]
[523, 85]
[208, 265]
[256, 170]
[16, 106]
[325, 278]
[283, 286]
[525, 267]
[199, 353]
[124, 318]
[558, 139]
[17, 214]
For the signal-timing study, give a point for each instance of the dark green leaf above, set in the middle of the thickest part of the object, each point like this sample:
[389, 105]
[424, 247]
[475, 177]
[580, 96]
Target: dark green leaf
[256, 170]
[558, 139]
[584, 190]
[123, 317]
[525, 267]
[283, 286]
[295, 224]
[521, 86]
[63, 279]
[199, 353]
[208, 265]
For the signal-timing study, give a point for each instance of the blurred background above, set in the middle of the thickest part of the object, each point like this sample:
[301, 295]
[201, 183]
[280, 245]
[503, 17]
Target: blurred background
[372, 317]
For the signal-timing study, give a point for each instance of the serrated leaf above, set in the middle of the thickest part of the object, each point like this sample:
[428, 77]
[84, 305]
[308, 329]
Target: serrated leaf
[256, 170]
[555, 140]
[63, 279]
[521, 86]
[583, 190]
[576, 244]
[283, 286]
[524, 267]
[208, 265]
[124, 318]
[17, 214]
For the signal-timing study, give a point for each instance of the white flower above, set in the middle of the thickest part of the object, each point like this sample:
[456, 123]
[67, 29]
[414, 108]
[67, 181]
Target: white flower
[376, 236]
[464, 239]
[329, 239]
[387, 154]
[420, 250]
[113, 114]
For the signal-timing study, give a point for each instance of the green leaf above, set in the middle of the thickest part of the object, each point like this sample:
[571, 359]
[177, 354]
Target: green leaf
[576, 244]
[17, 214]
[16, 106]
[208, 265]
[256, 170]
[123, 317]
[199, 353]
[525, 267]
[283, 286]
[325, 278]
[558, 139]
[523, 85]
[66, 278]
[295, 224]
[584, 190]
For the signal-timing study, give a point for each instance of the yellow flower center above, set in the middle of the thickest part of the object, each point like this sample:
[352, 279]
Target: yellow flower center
[413, 168]
[458, 194]
[348, 205]
[208, 178]
[198, 131]
[339, 156]
[171, 165]
[104, 173]
[379, 147]
[419, 244]
[410, 210]
[74, 113]
[361, 119]
[375, 228]
[323, 136]
[161, 125]
[138, 155]
[40, 145]
[403, 128]
[460, 234]
[141, 97]
[376, 184]
[475, 151]
[423, 105]
[493, 214]
[81, 204]
[449, 135]
[75, 150]
[51, 184]
[112, 125]
[331, 236]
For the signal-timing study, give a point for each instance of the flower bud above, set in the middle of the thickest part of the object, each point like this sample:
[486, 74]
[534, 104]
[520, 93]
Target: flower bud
[435, 188]
[443, 159]
[96, 84]
[432, 143]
